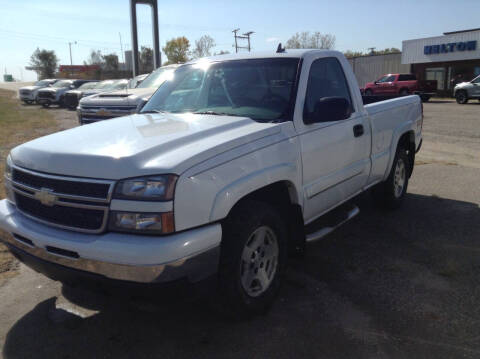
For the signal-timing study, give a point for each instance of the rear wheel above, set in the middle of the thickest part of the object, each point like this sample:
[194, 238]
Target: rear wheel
[461, 97]
[425, 98]
[253, 258]
[391, 192]
[28, 102]
[46, 104]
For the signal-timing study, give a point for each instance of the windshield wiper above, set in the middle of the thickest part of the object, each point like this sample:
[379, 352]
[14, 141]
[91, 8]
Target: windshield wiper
[153, 111]
[216, 113]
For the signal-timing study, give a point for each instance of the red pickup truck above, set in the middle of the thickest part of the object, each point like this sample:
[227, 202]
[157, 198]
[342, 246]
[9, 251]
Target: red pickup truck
[401, 84]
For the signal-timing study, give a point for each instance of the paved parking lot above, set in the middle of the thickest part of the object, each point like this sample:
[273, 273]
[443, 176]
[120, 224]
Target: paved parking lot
[401, 284]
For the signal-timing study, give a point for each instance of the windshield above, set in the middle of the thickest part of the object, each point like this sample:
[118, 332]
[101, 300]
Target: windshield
[119, 85]
[88, 85]
[387, 78]
[42, 83]
[62, 84]
[261, 89]
[156, 78]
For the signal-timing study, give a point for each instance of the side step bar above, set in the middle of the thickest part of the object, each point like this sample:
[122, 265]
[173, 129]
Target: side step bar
[330, 227]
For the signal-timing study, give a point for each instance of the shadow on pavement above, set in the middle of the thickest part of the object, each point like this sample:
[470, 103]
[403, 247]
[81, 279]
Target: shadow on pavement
[390, 284]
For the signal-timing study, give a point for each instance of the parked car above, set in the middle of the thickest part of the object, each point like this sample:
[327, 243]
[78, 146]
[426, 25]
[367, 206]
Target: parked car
[105, 106]
[72, 97]
[467, 90]
[55, 93]
[230, 168]
[28, 94]
[137, 80]
[402, 84]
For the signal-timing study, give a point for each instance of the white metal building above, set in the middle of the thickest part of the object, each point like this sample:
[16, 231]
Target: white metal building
[449, 59]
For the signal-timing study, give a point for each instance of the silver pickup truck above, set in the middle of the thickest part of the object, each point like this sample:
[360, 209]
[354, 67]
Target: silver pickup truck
[105, 106]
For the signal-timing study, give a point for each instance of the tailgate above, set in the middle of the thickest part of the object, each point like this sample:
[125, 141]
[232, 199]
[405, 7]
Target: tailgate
[427, 85]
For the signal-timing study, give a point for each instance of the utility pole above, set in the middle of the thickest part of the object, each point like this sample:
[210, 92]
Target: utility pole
[121, 47]
[235, 35]
[71, 62]
[245, 36]
[70, 47]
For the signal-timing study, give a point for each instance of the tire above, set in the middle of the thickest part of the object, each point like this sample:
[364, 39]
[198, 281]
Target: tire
[425, 98]
[368, 92]
[391, 193]
[28, 102]
[461, 97]
[252, 260]
[403, 92]
[46, 104]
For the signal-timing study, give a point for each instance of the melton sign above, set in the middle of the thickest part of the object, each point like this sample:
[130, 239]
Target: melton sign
[450, 47]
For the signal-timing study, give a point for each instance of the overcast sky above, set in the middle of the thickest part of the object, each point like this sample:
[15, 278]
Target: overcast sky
[96, 24]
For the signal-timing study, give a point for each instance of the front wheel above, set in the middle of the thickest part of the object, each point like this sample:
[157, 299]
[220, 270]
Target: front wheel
[404, 92]
[391, 192]
[368, 92]
[461, 97]
[253, 258]
[46, 104]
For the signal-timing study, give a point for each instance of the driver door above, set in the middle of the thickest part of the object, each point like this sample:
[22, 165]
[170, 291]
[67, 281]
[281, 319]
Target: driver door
[335, 154]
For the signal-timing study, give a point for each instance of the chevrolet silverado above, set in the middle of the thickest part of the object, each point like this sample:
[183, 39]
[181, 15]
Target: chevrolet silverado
[230, 168]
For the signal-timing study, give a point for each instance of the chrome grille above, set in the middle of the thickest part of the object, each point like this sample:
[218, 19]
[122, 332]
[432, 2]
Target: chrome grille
[71, 203]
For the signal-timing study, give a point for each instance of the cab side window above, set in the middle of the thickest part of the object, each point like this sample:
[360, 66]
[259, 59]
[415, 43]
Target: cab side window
[326, 79]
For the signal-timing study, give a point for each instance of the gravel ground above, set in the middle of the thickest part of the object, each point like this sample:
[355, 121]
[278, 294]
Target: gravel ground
[400, 284]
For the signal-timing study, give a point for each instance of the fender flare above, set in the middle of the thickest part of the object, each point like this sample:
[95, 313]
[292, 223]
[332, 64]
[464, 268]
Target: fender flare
[231, 194]
[397, 134]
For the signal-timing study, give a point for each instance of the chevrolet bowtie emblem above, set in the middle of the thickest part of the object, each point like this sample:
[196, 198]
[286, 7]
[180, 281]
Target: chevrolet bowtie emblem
[103, 112]
[46, 197]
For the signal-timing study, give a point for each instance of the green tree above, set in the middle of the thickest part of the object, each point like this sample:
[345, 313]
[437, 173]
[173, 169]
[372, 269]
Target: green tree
[111, 62]
[305, 40]
[44, 62]
[203, 47]
[145, 61]
[177, 50]
[349, 54]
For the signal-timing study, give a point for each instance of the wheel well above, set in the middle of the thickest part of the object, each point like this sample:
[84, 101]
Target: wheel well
[407, 141]
[283, 197]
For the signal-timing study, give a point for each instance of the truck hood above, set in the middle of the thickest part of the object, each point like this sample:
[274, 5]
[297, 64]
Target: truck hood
[463, 84]
[29, 88]
[119, 98]
[140, 144]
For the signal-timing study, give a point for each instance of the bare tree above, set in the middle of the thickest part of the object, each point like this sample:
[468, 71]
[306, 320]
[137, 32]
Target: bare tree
[203, 47]
[95, 58]
[305, 40]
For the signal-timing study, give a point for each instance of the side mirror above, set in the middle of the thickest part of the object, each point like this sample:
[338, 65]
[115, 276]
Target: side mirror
[329, 109]
[72, 86]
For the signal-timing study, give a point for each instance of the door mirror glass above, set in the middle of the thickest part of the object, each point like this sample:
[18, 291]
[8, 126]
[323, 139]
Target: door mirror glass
[329, 109]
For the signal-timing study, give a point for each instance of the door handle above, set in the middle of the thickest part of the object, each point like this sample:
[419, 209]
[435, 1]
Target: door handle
[358, 130]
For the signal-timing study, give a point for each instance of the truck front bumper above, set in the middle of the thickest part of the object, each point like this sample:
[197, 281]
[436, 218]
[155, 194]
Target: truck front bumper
[190, 255]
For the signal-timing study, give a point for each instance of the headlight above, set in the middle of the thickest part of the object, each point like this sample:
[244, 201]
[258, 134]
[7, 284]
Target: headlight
[147, 223]
[8, 167]
[155, 188]
[8, 183]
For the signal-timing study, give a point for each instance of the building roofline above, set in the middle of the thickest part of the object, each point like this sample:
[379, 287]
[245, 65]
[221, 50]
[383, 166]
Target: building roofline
[460, 31]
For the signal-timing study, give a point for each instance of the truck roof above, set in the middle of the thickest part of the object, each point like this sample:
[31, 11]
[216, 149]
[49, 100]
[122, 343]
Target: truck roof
[288, 53]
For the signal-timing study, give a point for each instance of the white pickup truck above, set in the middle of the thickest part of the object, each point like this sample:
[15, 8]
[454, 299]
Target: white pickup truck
[229, 169]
